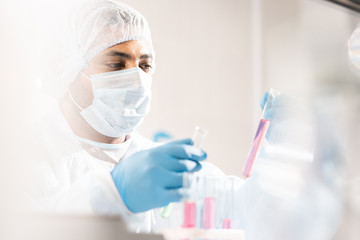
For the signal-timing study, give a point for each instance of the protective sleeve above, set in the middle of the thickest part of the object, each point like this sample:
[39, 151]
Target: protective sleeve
[63, 178]
[92, 193]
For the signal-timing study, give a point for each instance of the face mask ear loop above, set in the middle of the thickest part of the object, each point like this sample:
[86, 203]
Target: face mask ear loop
[85, 75]
[73, 100]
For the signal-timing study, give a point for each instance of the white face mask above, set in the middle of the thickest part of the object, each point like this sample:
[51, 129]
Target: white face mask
[121, 101]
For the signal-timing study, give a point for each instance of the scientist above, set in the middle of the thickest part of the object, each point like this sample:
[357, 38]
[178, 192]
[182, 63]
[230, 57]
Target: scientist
[109, 99]
[96, 162]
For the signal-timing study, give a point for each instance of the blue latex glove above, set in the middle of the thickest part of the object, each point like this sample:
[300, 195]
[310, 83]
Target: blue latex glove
[153, 178]
[279, 109]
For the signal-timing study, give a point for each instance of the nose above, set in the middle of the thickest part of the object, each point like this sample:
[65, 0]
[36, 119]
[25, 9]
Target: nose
[131, 64]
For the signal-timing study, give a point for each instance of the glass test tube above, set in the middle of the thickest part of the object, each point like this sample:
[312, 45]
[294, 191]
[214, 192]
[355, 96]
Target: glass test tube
[190, 181]
[259, 136]
[189, 215]
[213, 185]
[199, 136]
[229, 203]
[209, 212]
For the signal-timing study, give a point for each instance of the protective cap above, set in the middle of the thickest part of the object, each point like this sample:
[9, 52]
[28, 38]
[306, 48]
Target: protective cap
[96, 26]
[105, 23]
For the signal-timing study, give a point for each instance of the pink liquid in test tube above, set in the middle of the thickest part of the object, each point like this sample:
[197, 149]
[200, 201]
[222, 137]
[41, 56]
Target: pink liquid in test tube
[256, 146]
[227, 223]
[189, 215]
[209, 213]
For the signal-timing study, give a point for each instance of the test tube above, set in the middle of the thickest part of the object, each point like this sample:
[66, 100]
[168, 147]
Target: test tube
[213, 185]
[190, 182]
[209, 213]
[259, 136]
[189, 215]
[227, 222]
[199, 136]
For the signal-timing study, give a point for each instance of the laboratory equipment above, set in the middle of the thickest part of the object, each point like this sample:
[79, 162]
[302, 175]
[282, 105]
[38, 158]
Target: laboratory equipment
[214, 202]
[190, 210]
[190, 183]
[189, 215]
[227, 222]
[259, 136]
[212, 197]
[167, 210]
[213, 186]
[199, 136]
[209, 213]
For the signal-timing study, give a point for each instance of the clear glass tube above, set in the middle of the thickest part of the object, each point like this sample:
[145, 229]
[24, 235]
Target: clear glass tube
[259, 136]
[209, 212]
[212, 185]
[199, 136]
[228, 208]
[190, 182]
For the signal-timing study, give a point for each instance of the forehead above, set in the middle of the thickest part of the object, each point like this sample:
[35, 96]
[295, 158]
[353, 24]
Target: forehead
[135, 48]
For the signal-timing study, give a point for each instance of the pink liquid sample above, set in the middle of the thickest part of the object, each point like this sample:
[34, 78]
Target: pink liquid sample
[256, 146]
[189, 215]
[227, 224]
[209, 213]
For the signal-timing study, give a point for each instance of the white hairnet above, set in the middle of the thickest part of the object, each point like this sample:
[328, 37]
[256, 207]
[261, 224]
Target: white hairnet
[94, 27]
[105, 23]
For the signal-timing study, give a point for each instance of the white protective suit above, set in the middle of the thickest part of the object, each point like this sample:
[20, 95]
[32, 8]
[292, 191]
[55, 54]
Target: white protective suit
[69, 179]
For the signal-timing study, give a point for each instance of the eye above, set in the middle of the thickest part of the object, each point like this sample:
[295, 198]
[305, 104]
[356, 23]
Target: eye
[146, 67]
[116, 66]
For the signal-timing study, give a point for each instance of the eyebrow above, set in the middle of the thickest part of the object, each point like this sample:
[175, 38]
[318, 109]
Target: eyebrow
[120, 54]
[126, 55]
[146, 56]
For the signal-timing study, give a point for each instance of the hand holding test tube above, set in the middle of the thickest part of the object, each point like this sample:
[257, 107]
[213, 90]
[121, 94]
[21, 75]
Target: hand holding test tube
[259, 136]
[197, 138]
[189, 204]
